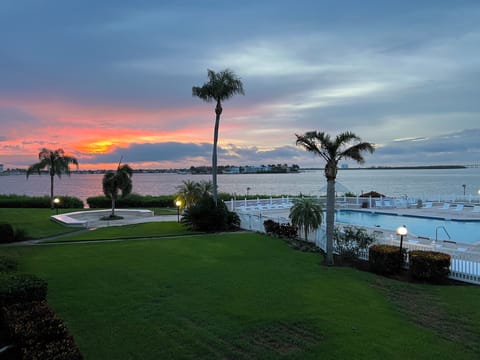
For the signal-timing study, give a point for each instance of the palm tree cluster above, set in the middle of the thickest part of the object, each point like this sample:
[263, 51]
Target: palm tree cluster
[191, 192]
[56, 162]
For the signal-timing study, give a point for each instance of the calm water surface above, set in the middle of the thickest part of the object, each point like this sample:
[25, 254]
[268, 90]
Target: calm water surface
[388, 182]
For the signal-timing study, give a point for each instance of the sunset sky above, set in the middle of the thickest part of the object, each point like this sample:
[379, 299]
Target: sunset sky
[110, 78]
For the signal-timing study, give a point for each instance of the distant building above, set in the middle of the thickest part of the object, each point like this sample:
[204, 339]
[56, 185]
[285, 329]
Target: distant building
[344, 166]
[1, 167]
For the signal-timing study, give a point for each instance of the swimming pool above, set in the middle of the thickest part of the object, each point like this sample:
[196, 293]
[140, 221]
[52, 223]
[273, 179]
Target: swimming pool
[459, 231]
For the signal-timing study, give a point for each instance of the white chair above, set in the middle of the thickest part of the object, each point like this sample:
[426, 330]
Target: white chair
[459, 207]
[428, 205]
[446, 206]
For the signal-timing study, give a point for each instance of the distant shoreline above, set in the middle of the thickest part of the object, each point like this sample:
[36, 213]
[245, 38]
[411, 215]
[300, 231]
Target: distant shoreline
[433, 167]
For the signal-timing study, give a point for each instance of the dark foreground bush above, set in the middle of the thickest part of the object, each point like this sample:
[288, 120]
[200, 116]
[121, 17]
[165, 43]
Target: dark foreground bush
[385, 259]
[8, 264]
[23, 201]
[37, 332]
[429, 265]
[204, 216]
[17, 287]
[7, 234]
[132, 201]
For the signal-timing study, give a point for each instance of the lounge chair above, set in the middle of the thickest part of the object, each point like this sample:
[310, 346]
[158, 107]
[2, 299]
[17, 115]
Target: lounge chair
[459, 207]
[387, 203]
[446, 206]
[428, 205]
[476, 209]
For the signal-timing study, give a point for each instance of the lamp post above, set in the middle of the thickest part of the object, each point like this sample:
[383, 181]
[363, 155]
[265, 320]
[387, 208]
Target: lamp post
[248, 189]
[464, 186]
[56, 201]
[178, 203]
[402, 231]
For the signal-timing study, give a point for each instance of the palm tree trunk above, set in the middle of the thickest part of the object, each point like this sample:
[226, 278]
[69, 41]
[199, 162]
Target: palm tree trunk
[330, 221]
[218, 112]
[52, 205]
[113, 207]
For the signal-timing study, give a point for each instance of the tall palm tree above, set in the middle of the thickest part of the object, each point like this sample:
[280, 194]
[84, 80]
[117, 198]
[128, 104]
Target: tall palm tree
[306, 213]
[221, 86]
[346, 145]
[56, 162]
[116, 181]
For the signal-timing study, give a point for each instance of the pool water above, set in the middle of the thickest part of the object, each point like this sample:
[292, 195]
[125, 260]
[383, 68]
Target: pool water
[459, 231]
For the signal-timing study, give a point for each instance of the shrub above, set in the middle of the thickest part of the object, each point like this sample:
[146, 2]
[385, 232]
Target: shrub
[7, 234]
[17, 287]
[24, 201]
[132, 201]
[21, 235]
[350, 241]
[385, 259]
[38, 333]
[429, 265]
[8, 264]
[271, 227]
[204, 216]
[281, 230]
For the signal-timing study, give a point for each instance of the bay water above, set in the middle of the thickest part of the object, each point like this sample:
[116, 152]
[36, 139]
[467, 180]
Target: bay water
[395, 183]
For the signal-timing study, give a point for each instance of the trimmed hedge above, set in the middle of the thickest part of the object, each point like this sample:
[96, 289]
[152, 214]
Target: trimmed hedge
[18, 287]
[38, 333]
[132, 201]
[385, 259]
[24, 201]
[429, 265]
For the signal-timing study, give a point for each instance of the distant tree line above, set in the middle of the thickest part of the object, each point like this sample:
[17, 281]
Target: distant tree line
[257, 169]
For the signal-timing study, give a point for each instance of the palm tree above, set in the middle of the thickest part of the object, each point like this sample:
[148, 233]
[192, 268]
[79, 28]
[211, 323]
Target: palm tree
[56, 162]
[116, 181]
[191, 192]
[332, 151]
[220, 87]
[306, 213]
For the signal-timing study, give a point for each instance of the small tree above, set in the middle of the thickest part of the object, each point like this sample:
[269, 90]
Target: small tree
[56, 162]
[116, 181]
[306, 213]
[191, 192]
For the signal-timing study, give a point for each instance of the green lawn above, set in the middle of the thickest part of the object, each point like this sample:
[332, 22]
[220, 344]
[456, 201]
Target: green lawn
[145, 230]
[36, 222]
[244, 296]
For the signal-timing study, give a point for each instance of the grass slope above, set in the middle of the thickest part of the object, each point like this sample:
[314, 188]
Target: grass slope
[36, 222]
[243, 296]
[144, 230]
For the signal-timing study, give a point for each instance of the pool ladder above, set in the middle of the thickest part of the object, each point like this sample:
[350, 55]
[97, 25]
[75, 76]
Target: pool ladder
[444, 229]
